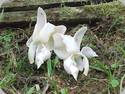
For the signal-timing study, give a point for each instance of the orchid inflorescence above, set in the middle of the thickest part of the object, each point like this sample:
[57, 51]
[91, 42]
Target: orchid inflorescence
[47, 38]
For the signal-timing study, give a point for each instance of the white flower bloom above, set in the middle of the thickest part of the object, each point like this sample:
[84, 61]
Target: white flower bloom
[32, 52]
[67, 48]
[65, 45]
[73, 43]
[44, 30]
[76, 63]
[59, 46]
[42, 35]
[42, 54]
[70, 43]
[79, 62]
[88, 52]
[79, 35]
[82, 63]
[71, 67]
[41, 21]
[47, 37]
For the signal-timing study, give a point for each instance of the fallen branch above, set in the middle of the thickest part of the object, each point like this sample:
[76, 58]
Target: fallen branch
[69, 22]
[45, 6]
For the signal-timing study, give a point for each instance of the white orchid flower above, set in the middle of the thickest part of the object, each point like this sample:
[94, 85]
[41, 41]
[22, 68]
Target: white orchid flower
[79, 61]
[68, 49]
[65, 45]
[41, 42]
[75, 63]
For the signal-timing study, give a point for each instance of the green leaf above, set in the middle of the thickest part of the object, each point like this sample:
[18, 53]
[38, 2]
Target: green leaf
[115, 65]
[55, 61]
[49, 68]
[54, 87]
[31, 90]
[7, 80]
[114, 83]
[64, 91]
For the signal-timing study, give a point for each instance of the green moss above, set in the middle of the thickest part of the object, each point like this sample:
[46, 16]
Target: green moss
[105, 9]
[69, 12]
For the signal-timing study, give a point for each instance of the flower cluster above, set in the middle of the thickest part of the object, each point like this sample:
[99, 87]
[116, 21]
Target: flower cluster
[48, 37]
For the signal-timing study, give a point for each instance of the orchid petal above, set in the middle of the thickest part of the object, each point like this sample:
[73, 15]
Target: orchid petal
[31, 52]
[82, 63]
[85, 65]
[41, 21]
[88, 52]
[61, 29]
[70, 67]
[79, 35]
[61, 53]
[58, 29]
[50, 44]
[41, 17]
[75, 72]
[59, 47]
[46, 32]
[42, 54]
[79, 61]
[70, 44]
[58, 40]
[29, 41]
